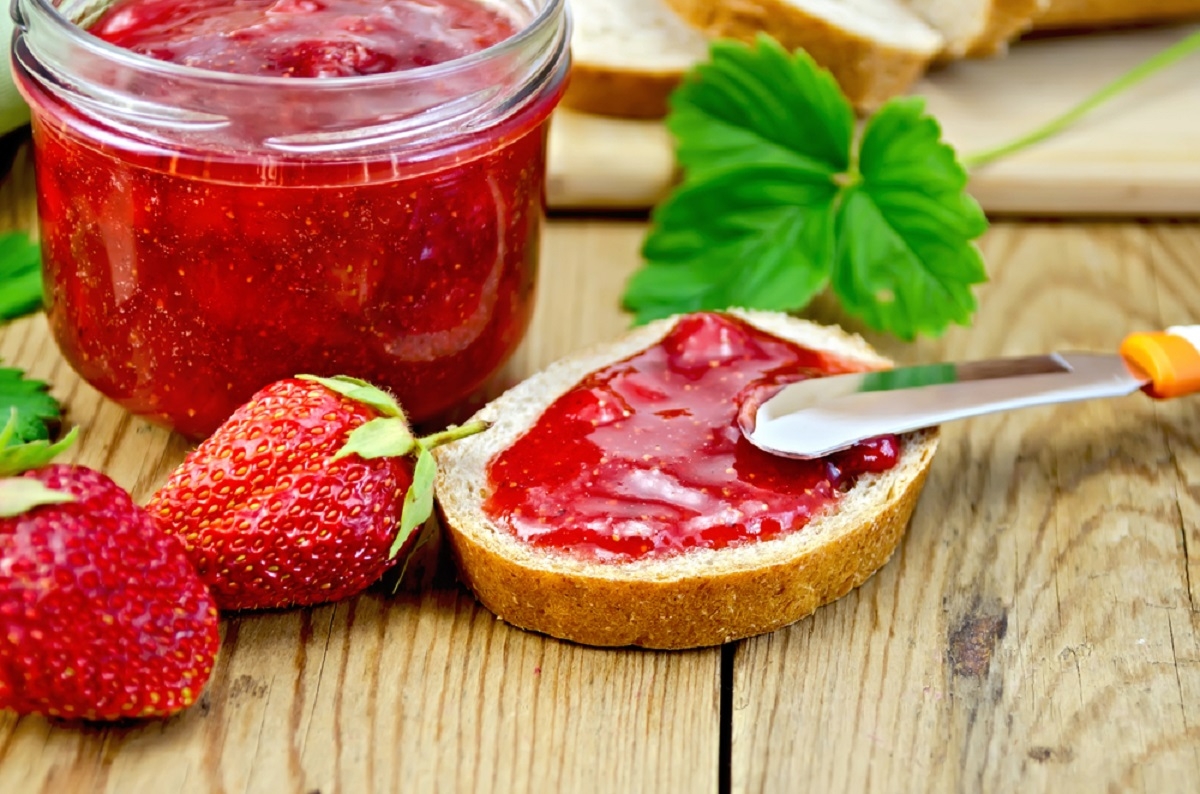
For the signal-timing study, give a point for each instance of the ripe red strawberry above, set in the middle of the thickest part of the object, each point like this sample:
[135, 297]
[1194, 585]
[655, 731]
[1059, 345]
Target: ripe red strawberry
[307, 494]
[102, 616]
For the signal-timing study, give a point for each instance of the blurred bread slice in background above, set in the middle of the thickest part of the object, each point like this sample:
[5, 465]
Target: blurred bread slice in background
[875, 48]
[1083, 14]
[978, 28]
[628, 56]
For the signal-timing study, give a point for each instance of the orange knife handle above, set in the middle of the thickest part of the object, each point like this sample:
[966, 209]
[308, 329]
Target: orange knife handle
[1169, 359]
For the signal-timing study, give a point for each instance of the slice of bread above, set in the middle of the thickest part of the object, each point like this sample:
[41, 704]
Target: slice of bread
[701, 596]
[628, 55]
[1081, 14]
[977, 27]
[875, 48]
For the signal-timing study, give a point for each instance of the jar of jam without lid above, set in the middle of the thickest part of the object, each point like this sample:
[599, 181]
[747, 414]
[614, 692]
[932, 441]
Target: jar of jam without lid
[236, 191]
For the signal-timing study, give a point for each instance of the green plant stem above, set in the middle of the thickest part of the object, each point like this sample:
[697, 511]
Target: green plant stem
[453, 433]
[1150, 66]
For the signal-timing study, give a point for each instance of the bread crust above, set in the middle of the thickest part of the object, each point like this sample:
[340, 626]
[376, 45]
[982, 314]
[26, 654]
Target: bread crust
[699, 598]
[1075, 14]
[1009, 19]
[621, 92]
[869, 72]
[692, 611]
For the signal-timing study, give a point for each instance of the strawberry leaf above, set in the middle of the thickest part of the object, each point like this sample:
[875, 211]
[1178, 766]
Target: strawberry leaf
[20, 494]
[780, 200]
[360, 391]
[16, 457]
[758, 105]
[20, 275]
[907, 263]
[768, 242]
[385, 437]
[37, 412]
[429, 530]
[418, 502]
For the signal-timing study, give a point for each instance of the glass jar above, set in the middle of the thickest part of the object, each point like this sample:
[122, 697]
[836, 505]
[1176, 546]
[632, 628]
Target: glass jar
[206, 233]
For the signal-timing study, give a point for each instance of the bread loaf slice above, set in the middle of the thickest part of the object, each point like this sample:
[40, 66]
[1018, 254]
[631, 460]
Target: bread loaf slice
[628, 56]
[1080, 14]
[977, 27]
[700, 596]
[876, 49]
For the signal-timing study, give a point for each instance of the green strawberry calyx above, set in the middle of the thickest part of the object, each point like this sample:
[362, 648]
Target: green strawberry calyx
[389, 436]
[17, 456]
[21, 494]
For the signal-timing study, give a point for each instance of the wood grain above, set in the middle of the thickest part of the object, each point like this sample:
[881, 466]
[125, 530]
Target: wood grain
[382, 694]
[1038, 628]
[419, 692]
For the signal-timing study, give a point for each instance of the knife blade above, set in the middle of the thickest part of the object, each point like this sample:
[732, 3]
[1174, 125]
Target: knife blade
[819, 416]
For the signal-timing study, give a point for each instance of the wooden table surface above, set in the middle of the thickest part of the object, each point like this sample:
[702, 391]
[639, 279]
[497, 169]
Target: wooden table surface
[1036, 631]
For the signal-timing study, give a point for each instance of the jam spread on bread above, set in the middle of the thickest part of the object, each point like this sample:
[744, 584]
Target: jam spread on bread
[644, 458]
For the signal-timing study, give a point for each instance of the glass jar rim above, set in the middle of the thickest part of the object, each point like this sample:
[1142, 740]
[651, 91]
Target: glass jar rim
[64, 71]
[547, 16]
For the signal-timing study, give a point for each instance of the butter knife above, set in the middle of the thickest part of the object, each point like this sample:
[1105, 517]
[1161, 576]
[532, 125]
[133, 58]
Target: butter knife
[819, 416]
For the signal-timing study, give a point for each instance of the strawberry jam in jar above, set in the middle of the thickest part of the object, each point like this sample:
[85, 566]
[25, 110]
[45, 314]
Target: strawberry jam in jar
[236, 191]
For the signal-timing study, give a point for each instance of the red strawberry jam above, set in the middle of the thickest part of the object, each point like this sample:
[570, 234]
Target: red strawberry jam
[189, 262]
[304, 38]
[644, 458]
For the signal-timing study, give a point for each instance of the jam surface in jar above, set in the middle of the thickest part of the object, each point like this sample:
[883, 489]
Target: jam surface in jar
[644, 458]
[181, 280]
[304, 38]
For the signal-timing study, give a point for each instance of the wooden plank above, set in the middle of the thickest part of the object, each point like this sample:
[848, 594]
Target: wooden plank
[418, 692]
[1035, 631]
[1135, 156]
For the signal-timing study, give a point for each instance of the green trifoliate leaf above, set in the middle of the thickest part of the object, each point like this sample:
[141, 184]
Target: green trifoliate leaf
[902, 156]
[906, 262]
[777, 201]
[360, 391]
[20, 494]
[766, 242]
[385, 437]
[418, 502]
[20, 275]
[760, 106]
[37, 413]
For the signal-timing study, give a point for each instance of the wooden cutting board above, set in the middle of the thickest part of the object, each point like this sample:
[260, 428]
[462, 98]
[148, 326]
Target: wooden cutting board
[1137, 155]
